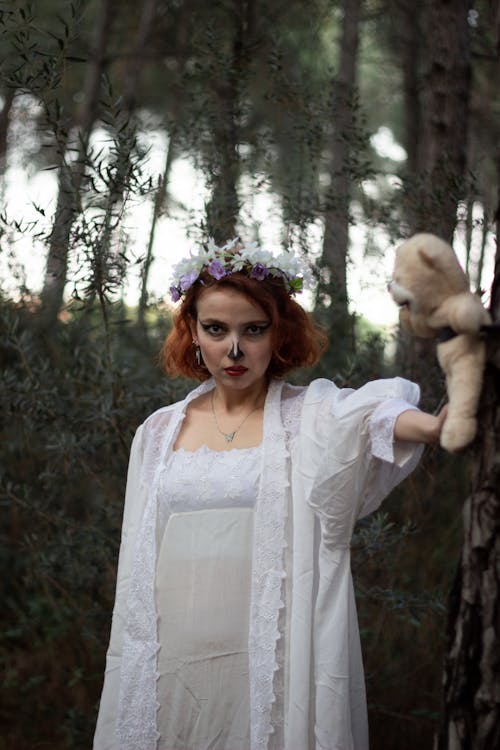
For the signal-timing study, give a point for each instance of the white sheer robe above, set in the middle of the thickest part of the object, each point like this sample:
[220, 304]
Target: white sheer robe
[234, 626]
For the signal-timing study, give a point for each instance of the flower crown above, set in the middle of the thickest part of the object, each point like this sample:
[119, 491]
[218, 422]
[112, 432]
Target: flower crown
[234, 257]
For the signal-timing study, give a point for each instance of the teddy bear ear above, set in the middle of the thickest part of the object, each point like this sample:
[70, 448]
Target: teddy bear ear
[427, 257]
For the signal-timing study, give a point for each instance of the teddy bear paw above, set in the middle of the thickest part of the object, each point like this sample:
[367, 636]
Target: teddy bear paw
[457, 433]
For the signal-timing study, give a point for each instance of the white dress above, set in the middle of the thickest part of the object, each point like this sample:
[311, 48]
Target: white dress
[203, 579]
[210, 647]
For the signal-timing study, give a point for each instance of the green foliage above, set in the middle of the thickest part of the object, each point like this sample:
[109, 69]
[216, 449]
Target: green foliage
[68, 418]
[367, 361]
[42, 59]
[404, 560]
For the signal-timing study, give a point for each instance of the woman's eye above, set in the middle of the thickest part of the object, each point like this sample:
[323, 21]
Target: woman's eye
[213, 329]
[256, 330]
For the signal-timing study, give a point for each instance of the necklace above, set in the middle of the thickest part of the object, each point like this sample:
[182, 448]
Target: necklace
[229, 436]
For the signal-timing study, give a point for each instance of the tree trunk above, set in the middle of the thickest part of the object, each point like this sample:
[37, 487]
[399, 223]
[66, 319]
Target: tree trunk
[131, 87]
[8, 100]
[133, 72]
[469, 226]
[482, 252]
[71, 176]
[446, 96]
[472, 665]
[224, 164]
[158, 205]
[332, 300]
[437, 101]
[495, 289]
[410, 14]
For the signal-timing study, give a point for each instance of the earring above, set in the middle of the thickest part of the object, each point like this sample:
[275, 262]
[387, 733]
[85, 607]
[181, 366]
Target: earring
[197, 353]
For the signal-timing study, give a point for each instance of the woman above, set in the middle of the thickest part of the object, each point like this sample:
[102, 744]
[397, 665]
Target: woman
[234, 625]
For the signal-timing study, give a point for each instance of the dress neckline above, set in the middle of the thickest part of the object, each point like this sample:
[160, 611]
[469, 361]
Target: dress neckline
[206, 450]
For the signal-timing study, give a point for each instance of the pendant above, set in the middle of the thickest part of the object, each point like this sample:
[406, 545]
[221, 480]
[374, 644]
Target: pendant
[228, 436]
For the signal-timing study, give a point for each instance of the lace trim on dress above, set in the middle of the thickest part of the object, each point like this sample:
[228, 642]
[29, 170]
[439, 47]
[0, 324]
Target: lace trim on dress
[155, 431]
[381, 426]
[136, 725]
[268, 571]
[291, 409]
[292, 400]
[202, 479]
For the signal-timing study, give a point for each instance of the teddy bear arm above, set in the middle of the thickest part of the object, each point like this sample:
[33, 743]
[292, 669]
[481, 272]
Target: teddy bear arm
[462, 360]
[462, 312]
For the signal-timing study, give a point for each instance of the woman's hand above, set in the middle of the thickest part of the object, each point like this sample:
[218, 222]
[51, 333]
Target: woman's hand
[419, 427]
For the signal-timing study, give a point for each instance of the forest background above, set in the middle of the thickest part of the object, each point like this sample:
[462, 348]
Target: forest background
[280, 104]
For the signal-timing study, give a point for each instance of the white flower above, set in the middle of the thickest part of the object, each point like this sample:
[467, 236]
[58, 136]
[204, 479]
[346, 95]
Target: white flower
[235, 256]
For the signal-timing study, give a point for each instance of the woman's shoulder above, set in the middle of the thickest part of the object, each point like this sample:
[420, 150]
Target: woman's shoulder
[160, 418]
[150, 437]
[290, 391]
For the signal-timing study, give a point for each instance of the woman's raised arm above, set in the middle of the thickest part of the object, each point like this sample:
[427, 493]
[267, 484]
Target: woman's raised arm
[419, 427]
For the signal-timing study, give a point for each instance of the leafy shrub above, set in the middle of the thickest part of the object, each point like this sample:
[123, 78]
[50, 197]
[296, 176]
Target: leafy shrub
[69, 414]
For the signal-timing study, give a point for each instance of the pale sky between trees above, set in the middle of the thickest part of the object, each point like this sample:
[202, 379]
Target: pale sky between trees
[367, 274]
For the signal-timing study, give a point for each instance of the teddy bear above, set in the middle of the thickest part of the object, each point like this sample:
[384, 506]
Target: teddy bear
[435, 301]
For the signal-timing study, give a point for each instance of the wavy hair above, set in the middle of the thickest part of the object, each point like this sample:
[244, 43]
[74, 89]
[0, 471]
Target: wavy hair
[296, 339]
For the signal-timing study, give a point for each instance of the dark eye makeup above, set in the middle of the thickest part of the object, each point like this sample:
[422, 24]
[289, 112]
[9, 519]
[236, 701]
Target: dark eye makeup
[216, 329]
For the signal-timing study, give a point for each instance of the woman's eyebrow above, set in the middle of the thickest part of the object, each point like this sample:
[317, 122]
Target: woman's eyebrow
[215, 321]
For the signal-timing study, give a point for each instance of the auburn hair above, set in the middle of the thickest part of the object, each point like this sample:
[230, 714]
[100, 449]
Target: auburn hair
[297, 340]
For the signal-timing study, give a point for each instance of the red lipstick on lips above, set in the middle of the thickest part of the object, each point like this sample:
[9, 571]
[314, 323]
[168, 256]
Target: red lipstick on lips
[235, 371]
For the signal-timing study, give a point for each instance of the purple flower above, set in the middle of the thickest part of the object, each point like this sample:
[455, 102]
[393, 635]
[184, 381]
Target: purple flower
[216, 269]
[174, 294]
[187, 280]
[259, 272]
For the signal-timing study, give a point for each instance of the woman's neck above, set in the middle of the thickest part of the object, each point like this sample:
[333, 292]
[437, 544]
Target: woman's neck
[234, 400]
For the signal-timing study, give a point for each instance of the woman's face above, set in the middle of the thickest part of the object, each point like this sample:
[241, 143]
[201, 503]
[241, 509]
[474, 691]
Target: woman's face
[234, 335]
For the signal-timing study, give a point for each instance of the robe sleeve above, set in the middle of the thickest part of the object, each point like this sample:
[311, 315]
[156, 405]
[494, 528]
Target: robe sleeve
[381, 424]
[349, 479]
[104, 738]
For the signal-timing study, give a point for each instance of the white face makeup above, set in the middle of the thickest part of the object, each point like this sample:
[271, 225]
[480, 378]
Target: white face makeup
[235, 352]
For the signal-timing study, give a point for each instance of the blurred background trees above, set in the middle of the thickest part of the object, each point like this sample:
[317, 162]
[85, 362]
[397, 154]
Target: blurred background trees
[304, 106]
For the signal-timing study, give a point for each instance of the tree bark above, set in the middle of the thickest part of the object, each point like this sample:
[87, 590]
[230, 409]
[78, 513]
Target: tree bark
[410, 14]
[130, 89]
[332, 299]
[224, 165]
[472, 666]
[482, 252]
[437, 102]
[495, 289]
[133, 72]
[71, 176]
[8, 100]
[446, 95]
[469, 226]
[158, 205]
